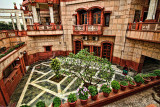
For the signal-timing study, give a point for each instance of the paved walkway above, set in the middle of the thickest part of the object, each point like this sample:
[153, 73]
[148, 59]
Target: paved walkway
[141, 99]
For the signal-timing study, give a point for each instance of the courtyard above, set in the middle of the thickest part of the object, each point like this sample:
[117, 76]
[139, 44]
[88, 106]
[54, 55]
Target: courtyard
[40, 87]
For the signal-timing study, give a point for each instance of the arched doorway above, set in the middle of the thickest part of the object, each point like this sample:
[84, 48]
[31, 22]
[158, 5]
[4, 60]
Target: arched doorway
[77, 46]
[107, 48]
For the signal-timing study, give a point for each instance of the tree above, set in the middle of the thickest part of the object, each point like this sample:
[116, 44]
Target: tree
[8, 26]
[89, 63]
[56, 66]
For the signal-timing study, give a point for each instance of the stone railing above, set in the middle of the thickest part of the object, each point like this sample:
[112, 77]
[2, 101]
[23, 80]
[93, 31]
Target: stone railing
[143, 26]
[43, 27]
[87, 29]
[8, 33]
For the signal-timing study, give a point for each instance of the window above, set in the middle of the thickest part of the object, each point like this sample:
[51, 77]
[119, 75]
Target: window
[96, 17]
[84, 18]
[96, 50]
[137, 15]
[88, 48]
[48, 48]
[107, 19]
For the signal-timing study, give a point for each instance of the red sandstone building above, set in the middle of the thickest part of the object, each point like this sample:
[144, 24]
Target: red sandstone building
[126, 32]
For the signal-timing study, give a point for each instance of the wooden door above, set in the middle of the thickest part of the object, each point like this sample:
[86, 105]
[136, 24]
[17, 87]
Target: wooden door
[106, 51]
[77, 46]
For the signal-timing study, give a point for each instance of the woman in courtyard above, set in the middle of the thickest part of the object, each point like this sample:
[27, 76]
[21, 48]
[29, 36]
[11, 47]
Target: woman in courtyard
[125, 70]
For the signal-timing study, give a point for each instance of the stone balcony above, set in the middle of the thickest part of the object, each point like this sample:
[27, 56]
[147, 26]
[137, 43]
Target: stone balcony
[11, 33]
[40, 30]
[87, 29]
[144, 31]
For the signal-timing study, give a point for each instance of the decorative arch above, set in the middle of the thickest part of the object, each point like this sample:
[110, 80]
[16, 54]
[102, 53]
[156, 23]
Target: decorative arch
[79, 9]
[107, 46]
[95, 7]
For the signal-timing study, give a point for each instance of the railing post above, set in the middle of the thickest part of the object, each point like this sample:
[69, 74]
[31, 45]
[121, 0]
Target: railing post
[73, 27]
[130, 26]
[140, 26]
[85, 27]
[53, 27]
[137, 25]
[60, 27]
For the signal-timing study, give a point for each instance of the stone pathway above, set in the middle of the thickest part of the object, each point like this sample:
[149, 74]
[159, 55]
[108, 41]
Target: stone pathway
[141, 99]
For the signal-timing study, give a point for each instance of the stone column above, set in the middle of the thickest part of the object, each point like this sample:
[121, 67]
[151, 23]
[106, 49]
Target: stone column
[24, 22]
[18, 22]
[152, 9]
[35, 16]
[13, 23]
[51, 13]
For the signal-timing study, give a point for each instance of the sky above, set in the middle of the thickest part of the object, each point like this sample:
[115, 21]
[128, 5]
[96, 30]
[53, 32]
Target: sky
[8, 4]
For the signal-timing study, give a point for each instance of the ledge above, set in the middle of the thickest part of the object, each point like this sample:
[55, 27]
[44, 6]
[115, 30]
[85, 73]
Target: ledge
[143, 40]
[11, 53]
[114, 97]
[44, 33]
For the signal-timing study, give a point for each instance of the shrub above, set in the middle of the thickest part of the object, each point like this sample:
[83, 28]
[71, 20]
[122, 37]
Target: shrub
[2, 55]
[124, 83]
[115, 85]
[152, 74]
[57, 101]
[131, 82]
[25, 106]
[72, 98]
[93, 90]
[83, 93]
[40, 104]
[56, 66]
[105, 88]
[138, 79]
[157, 72]
[16, 46]
[145, 75]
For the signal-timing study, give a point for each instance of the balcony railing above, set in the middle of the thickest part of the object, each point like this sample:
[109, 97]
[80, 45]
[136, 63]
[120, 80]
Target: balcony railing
[87, 29]
[142, 26]
[8, 33]
[43, 27]
[11, 33]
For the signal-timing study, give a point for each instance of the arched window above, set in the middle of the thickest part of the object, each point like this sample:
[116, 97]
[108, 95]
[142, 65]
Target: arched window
[96, 16]
[83, 17]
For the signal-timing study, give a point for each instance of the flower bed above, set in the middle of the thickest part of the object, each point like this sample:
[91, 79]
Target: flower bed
[11, 49]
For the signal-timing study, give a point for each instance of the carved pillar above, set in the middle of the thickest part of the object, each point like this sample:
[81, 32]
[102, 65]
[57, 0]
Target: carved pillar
[152, 9]
[13, 23]
[90, 17]
[51, 13]
[18, 22]
[78, 18]
[102, 17]
[35, 16]
[24, 22]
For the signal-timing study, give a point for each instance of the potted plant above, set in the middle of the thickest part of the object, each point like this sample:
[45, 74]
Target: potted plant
[138, 79]
[106, 90]
[115, 85]
[56, 102]
[40, 104]
[123, 85]
[72, 100]
[83, 95]
[152, 76]
[146, 78]
[131, 83]
[157, 72]
[25, 106]
[93, 92]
